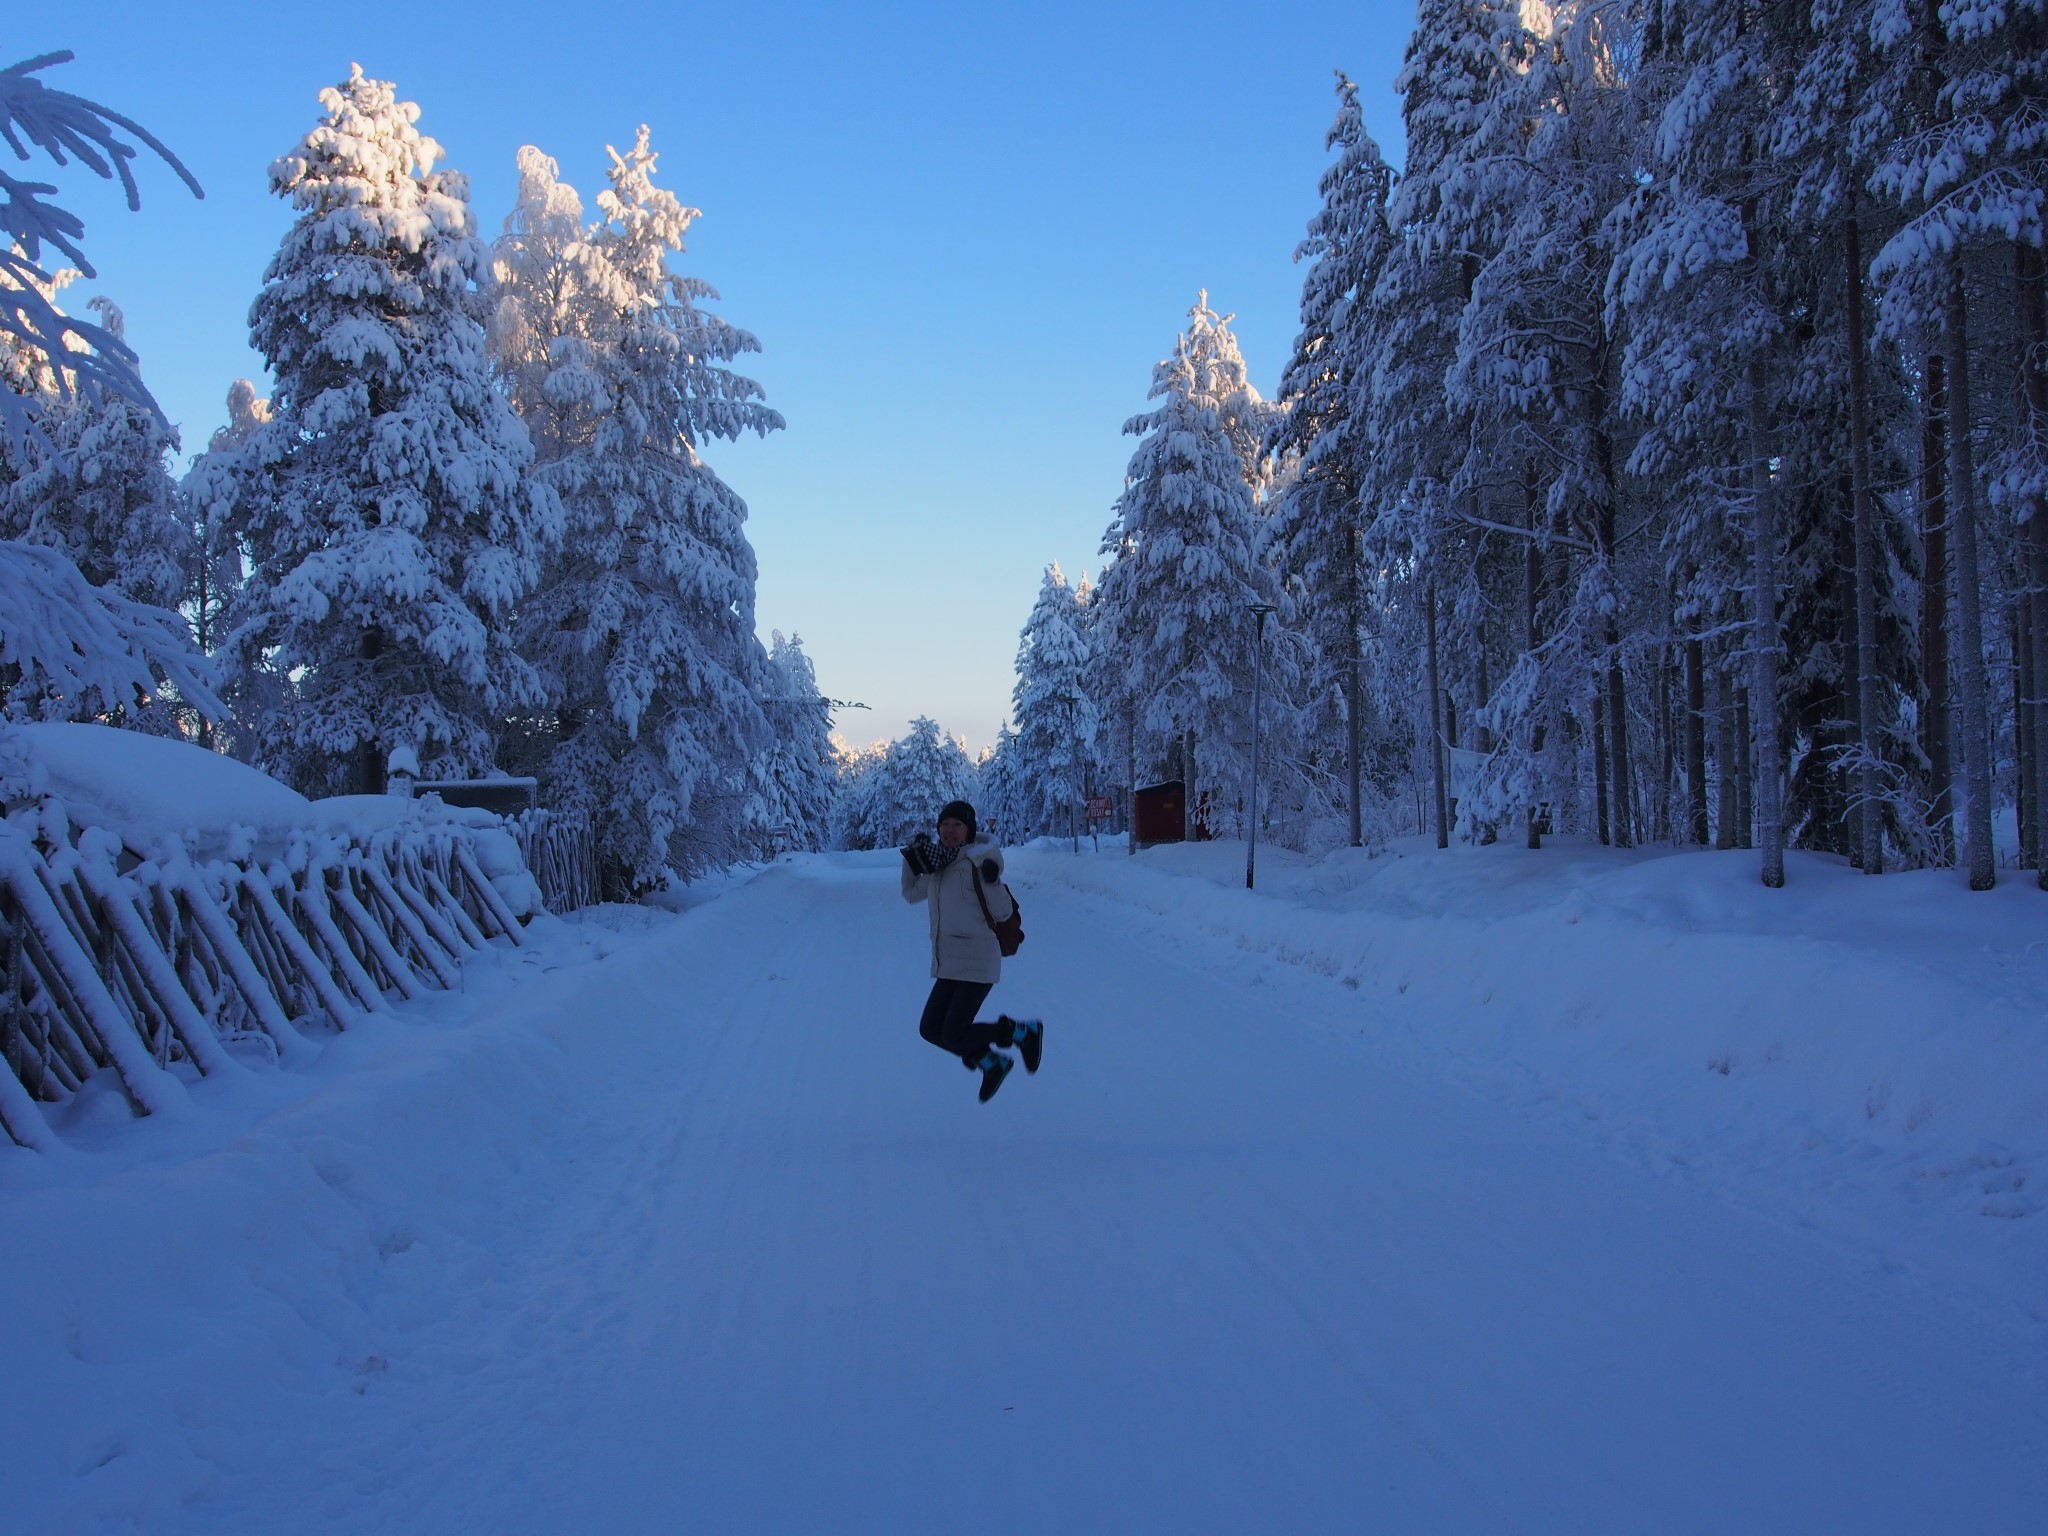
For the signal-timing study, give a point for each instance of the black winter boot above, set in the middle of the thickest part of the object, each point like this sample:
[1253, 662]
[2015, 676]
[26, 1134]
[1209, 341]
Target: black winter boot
[1028, 1035]
[995, 1066]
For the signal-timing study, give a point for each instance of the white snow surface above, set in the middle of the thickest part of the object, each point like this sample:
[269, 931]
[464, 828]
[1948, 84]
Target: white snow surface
[140, 786]
[1480, 1191]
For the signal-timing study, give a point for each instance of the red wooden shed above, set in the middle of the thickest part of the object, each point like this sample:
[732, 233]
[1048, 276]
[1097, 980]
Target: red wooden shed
[1158, 813]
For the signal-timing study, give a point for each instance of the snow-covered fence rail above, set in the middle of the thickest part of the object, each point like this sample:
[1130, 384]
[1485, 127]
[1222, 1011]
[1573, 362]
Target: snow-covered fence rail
[561, 854]
[153, 967]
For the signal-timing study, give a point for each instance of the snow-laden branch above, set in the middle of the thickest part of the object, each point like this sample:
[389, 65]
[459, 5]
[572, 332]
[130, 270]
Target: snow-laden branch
[68, 639]
[66, 128]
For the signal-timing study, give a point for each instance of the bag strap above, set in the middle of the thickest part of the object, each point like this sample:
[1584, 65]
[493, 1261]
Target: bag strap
[986, 915]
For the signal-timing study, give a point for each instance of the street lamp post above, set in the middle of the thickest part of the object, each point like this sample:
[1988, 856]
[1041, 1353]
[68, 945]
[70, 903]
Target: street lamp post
[1251, 843]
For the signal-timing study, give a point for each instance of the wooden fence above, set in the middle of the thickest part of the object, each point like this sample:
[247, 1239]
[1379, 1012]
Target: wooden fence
[158, 967]
[561, 854]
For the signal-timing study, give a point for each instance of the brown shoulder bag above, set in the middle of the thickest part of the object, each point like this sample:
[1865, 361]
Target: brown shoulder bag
[1009, 931]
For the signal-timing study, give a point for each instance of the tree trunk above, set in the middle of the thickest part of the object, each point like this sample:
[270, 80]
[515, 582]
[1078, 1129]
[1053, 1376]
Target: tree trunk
[1483, 735]
[1532, 585]
[1482, 740]
[1696, 743]
[2033, 285]
[371, 760]
[1770, 771]
[1131, 788]
[1934, 678]
[1354, 669]
[1966, 644]
[1667, 753]
[1620, 778]
[2022, 728]
[1840, 794]
[1617, 742]
[1600, 817]
[1745, 773]
[202, 613]
[1436, 738]
[1871, 822]
[1728, 786]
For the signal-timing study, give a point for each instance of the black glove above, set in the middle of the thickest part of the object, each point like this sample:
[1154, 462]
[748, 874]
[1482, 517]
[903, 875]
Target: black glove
[919, 853]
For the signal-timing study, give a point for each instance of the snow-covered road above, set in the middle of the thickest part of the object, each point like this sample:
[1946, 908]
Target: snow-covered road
[749, 1257]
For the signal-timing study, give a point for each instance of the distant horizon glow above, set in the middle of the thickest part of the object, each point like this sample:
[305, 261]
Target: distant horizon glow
[962, 240]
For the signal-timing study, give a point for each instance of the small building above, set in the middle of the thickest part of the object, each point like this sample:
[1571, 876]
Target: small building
[1159, 813]
[501, 797]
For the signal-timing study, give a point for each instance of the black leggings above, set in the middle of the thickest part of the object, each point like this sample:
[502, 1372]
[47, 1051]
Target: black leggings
[948, 1020]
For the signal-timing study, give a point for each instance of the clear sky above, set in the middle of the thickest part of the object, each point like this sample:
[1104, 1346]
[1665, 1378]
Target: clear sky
[962, 234]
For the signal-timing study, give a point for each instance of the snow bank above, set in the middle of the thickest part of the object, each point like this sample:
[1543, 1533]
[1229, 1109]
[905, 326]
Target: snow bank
[1871, 1053]
[144, 787]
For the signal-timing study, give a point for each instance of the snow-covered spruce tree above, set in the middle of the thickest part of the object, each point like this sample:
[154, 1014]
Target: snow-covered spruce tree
[556, 302]
[210, 488]
[1106, 765]
[2019, 469]
[95, 482]
[799, 771]
[1702, 271]
[1539, 492]
[644, 628]
[387, 527]
[69, 650]
[1183, 583]
[1002, 792]
[851, 805]
[1969, 178]
[1852, 677]
[1055, 713]
[1313, 534]
[213, 569]
[916, 775]
[1221, 382]
[1452, 68]
[1115, 699]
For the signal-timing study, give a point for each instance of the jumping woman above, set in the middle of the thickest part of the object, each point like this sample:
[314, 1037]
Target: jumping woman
[960, 879]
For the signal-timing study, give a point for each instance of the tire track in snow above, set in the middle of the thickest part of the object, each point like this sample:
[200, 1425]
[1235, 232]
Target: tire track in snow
[1215, 1269]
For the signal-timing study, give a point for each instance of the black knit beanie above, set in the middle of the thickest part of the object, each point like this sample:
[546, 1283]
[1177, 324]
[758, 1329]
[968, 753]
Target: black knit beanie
[961, 811]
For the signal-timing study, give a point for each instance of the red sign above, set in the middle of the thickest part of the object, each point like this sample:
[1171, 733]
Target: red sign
[1100, 808]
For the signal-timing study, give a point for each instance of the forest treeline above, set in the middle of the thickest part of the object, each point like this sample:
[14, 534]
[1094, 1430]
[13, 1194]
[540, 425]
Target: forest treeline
[1662, 458]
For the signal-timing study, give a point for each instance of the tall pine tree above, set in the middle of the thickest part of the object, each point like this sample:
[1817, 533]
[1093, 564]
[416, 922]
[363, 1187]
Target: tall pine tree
[643, 628]
[1182, 580]
[388, 530]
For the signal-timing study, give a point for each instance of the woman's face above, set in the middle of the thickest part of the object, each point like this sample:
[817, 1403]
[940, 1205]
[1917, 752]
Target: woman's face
[953, 833]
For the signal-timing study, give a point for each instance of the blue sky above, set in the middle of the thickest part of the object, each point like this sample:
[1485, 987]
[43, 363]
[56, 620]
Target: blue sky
[963, 238]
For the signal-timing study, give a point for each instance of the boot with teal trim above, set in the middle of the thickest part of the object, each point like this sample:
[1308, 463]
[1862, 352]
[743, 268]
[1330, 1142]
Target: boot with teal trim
[995, 1066]
[1028, 1035]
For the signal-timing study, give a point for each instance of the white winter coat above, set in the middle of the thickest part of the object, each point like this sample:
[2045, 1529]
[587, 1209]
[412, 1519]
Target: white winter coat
[964, 947]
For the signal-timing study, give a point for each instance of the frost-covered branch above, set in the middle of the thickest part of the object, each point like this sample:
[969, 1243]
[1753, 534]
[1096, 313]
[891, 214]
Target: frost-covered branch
[64, 127]
[67, 646]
